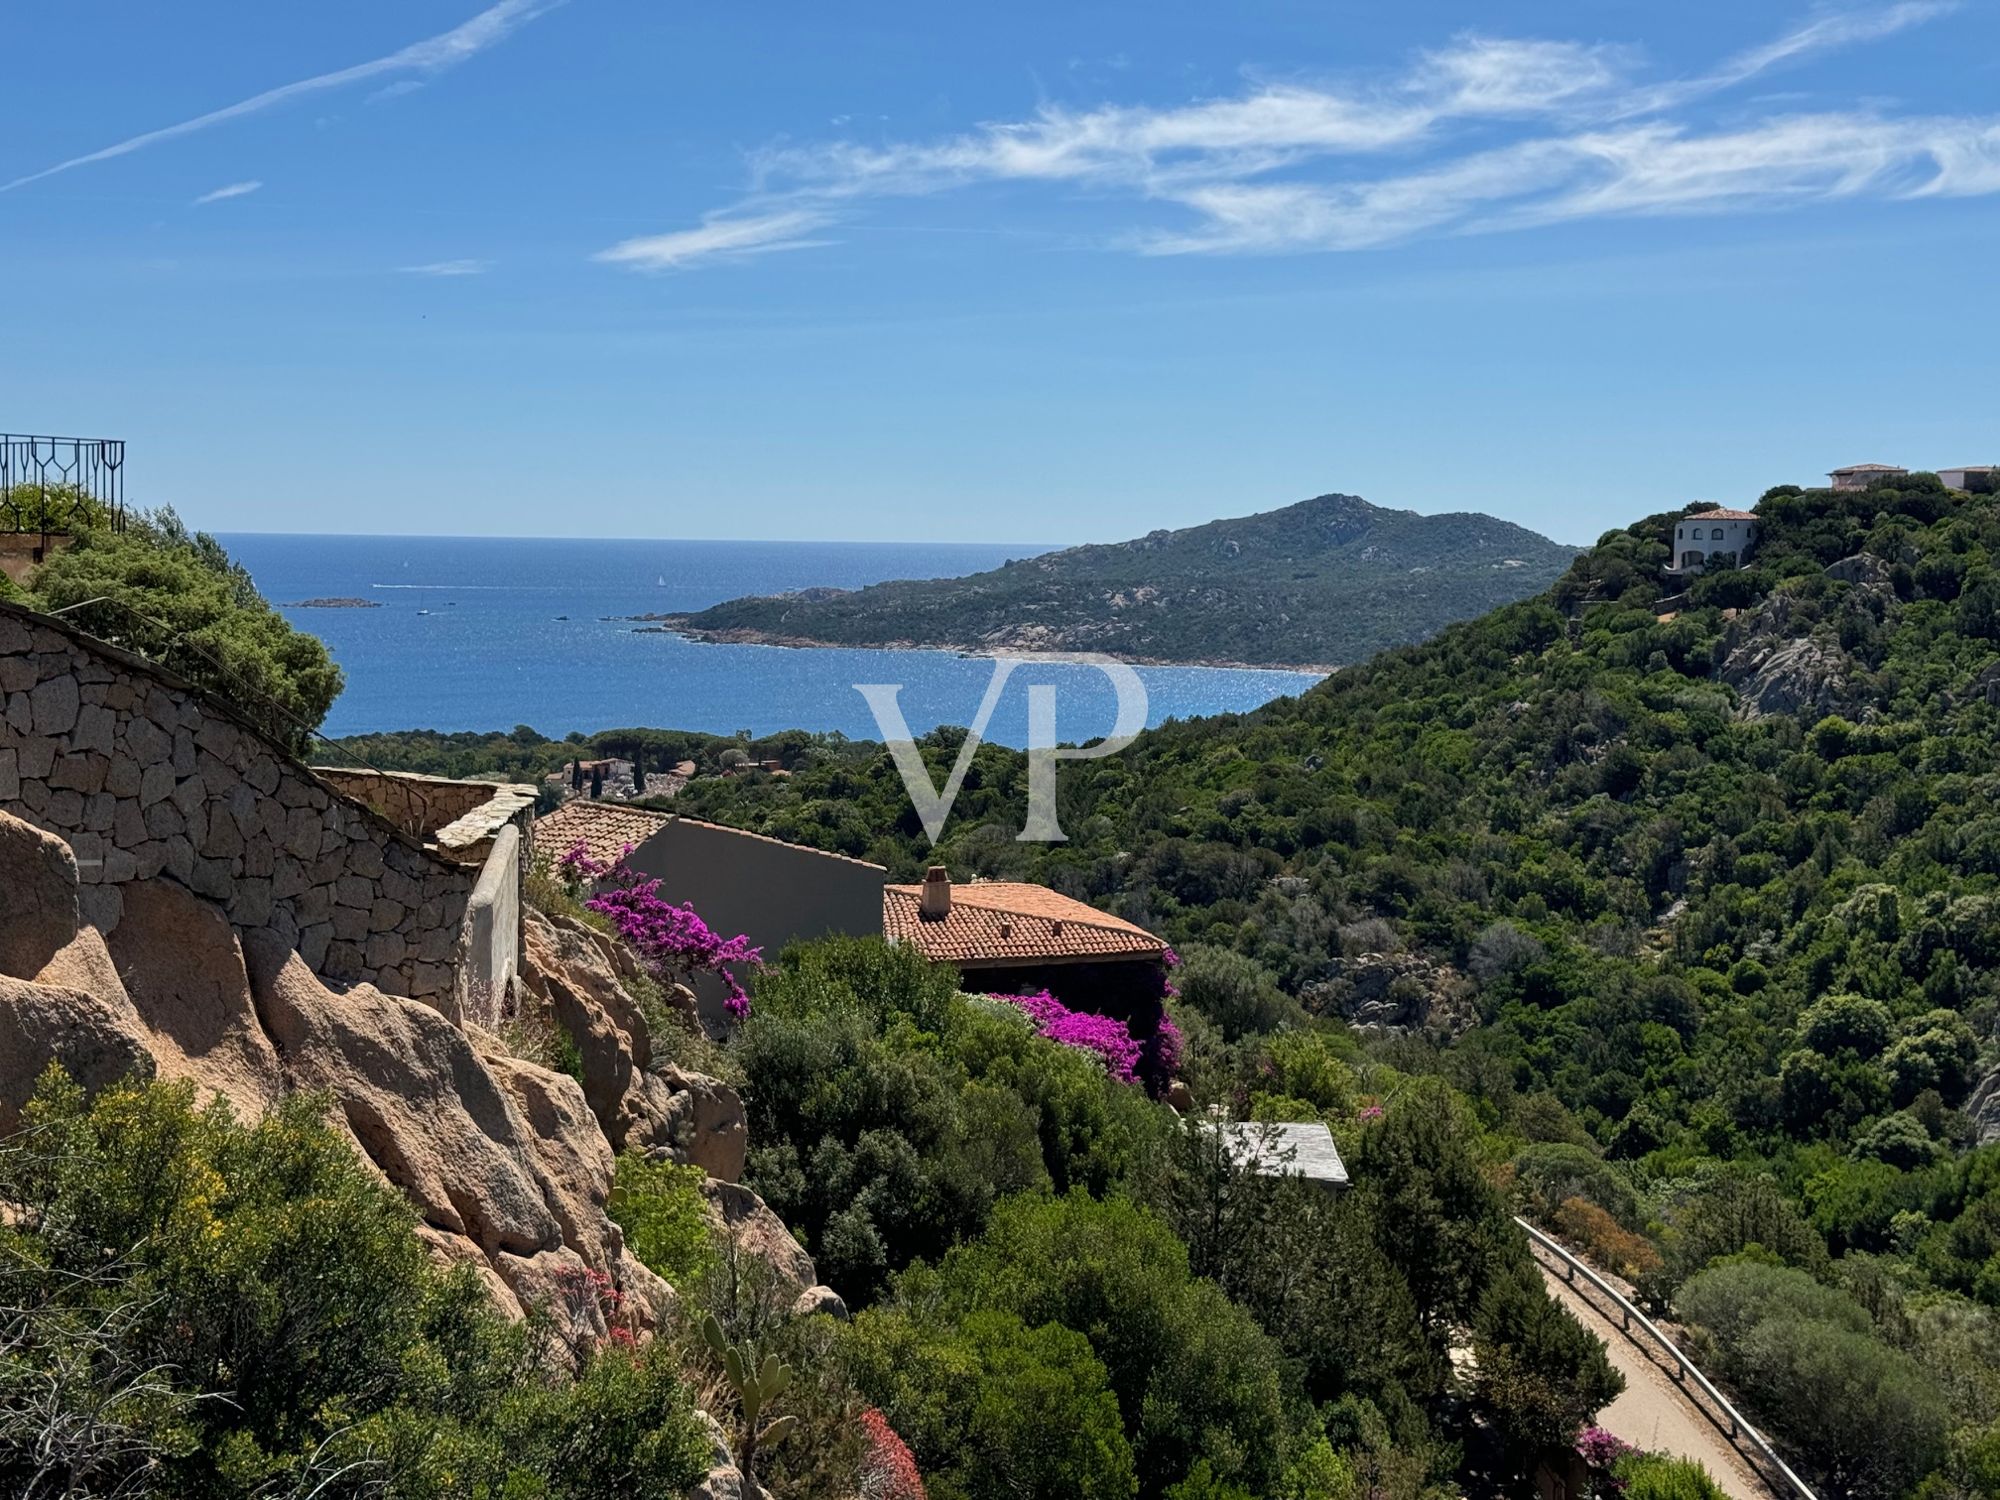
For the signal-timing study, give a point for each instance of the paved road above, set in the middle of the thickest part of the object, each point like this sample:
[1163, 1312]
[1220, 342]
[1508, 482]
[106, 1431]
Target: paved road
[1654, 1413]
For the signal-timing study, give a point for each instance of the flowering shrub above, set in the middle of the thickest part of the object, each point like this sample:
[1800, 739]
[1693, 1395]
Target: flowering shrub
[1160, 1055]
[1369, 1114]
[585, 1292]
[671, 941]
[1153, 1059]
[1081, 1029]
[889, 1472]
[1601, 1449]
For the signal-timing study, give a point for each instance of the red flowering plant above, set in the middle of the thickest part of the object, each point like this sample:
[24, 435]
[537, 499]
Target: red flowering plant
[672, 942]
[889, 1472]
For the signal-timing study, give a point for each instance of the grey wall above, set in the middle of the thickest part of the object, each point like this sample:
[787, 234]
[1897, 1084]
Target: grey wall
[772, 891]
[492, 931]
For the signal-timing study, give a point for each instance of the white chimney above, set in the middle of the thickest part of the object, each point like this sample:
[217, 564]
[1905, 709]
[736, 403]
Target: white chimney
[935, 903]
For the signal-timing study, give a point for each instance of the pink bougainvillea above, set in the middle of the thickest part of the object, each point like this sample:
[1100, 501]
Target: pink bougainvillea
[1600, 1449]
[1152, 1059]
[1109, 1039]
[1160, 1055]
[673, 942]
[889, 1472]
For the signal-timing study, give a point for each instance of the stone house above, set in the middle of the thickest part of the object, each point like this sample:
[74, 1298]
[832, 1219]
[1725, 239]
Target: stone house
[1011, 937]
[1860, 476]
[1703, 536]
[408, 883]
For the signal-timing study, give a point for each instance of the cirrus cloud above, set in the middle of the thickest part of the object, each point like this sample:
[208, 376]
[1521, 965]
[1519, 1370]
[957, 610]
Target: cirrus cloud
[1481, 135]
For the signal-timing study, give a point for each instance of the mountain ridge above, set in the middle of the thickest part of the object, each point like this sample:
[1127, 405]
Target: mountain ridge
[1314, 585]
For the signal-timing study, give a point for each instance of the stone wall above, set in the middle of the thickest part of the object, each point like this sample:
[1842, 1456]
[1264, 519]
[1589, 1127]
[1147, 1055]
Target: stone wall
[419, 805]
[142, 774]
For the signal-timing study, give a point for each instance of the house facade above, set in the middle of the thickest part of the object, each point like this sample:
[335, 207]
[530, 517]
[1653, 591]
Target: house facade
[773, 892]
[1705, 536]
[1860, 476]
[1975, 479]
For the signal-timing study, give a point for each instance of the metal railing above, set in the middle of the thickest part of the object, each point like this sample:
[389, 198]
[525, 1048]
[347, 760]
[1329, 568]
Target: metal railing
[53, 486]
[1684, 1368]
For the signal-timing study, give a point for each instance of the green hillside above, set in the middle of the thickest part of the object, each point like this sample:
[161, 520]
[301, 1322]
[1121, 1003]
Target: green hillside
[1326, 582]
[1714, 883]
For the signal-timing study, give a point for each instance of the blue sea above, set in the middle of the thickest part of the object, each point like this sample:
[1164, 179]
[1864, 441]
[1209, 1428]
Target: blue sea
[485, 633]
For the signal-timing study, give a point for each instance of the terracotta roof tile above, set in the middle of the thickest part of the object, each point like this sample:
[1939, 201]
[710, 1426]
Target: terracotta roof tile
[995, 922]
[1722, 515]
[603, 828]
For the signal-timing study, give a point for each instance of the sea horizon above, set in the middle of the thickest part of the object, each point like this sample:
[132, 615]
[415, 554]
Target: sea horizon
[484, 634]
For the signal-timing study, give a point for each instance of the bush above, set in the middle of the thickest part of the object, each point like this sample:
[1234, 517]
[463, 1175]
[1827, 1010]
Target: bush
[1806, 1357]
[992, 1408]
[660, 1208]
[1548, 1175]
[176, 598]
[1660, 1476]
[289, 1325]
[1605, 1241]
[1238, 994]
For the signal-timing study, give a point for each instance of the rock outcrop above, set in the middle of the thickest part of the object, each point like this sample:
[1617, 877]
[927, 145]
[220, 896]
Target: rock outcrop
[579, 974]
[1394, 992]
[509, 1164]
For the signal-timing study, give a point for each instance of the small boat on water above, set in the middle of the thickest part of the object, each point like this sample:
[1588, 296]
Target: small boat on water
[423, 611]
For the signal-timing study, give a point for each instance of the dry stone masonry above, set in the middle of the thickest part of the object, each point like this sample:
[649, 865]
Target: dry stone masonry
[142, 774]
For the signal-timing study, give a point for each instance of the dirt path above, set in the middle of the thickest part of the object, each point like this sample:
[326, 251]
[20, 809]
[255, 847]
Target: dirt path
[1654, 1413]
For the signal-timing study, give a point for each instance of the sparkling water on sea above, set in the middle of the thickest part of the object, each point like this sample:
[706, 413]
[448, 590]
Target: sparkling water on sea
[486, 633]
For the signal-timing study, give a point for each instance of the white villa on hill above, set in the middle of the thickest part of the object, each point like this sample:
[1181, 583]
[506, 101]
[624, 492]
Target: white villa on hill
[1703, 535]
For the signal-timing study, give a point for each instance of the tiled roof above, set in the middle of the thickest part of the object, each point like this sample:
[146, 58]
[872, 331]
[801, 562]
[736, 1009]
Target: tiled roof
[1869, 468]
[607, 827]
[603, 828]
[995, 922]
[1722, 515]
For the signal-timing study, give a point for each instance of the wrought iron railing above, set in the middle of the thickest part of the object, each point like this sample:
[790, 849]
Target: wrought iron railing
[55, 486]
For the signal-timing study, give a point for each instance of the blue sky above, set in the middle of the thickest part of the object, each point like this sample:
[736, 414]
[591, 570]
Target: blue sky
[1037, 272]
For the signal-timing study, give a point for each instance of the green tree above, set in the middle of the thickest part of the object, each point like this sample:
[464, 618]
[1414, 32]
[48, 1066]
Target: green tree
[1436, 1217]
[993, 1409]
[1195, 1377]
[1541, 1374]
[176, 598]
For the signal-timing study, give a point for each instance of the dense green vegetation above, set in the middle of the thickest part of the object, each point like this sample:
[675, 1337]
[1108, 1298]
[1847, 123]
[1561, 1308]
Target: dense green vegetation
[1326, 581]
[521, 754]
[1727, 922]
[199, 1307]
[1065, 1289]
[176, 598]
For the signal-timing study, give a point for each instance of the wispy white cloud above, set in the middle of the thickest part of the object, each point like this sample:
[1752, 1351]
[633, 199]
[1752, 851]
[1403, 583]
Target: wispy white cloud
[232, 190]
[1484, 134]
[449, 268]
[721, 237]
[1823, 34]
[432, 55]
